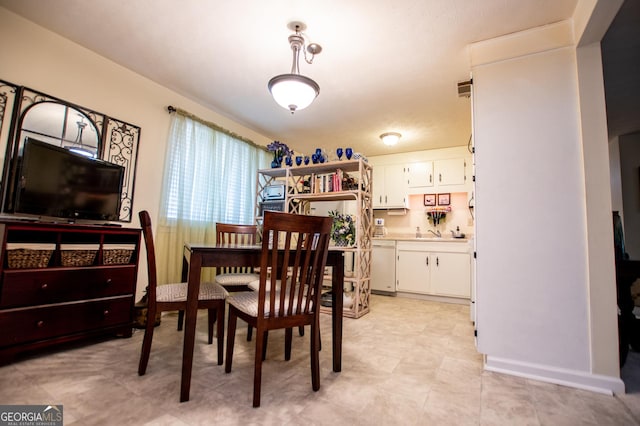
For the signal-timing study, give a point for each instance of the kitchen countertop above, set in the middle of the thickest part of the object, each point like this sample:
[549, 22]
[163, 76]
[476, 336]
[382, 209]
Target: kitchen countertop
[412, 237]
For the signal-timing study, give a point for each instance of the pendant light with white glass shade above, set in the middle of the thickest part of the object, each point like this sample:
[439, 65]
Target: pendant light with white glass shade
[295, 91]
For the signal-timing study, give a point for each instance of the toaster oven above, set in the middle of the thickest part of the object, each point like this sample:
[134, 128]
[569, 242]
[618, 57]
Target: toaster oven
[273, 192]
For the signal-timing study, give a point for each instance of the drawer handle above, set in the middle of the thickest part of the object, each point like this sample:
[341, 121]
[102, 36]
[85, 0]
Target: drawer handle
[108, 281]
[106, 312]
[44, 286]
[40, 324]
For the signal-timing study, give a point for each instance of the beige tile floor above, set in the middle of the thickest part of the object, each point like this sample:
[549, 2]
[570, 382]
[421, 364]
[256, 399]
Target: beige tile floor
[407, 362]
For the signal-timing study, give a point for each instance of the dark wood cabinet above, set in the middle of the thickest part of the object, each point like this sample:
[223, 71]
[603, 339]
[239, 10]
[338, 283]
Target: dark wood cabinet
[64, 282]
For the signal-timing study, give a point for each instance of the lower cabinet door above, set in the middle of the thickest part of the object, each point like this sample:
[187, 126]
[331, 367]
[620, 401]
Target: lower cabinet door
[451, 274]
[412, 271]
[45, 322]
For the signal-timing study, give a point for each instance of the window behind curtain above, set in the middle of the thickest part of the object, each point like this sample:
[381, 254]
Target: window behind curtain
[209, 177]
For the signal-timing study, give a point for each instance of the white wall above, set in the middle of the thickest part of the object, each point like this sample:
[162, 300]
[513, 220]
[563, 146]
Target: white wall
[533, 295]
[39, 59]
[602, 309]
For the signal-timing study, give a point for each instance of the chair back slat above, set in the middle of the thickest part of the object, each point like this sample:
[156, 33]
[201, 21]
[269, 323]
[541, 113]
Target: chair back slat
[294, 250]
[232, 234]
[147, 233]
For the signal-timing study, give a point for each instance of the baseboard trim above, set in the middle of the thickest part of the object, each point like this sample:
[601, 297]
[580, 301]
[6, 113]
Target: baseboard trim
[572, 378]
[444, 299]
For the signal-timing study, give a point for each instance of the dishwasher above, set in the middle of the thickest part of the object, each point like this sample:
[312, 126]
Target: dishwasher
[383, 267]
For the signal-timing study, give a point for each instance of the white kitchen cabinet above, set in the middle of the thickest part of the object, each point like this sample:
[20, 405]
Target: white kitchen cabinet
[449, 172]
[389, 187]
[451, 274]
[437, 176]
[420, 175]
[412, 269]
[434, 268]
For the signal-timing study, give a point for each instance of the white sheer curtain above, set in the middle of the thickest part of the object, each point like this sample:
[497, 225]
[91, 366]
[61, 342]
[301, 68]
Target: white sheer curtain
[209, 177]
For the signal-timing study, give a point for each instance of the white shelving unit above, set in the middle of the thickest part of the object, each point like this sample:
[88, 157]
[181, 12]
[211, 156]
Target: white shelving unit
[355, 186]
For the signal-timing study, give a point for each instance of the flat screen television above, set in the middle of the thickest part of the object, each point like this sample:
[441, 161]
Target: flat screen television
[58, 183]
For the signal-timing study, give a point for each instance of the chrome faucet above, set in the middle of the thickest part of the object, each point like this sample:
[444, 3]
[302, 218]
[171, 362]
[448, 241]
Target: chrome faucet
[437, 233]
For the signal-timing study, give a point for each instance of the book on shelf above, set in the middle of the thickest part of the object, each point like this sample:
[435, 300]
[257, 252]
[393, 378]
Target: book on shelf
[326, 182]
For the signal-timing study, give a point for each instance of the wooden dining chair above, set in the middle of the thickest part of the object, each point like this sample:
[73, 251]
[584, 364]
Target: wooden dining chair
[294, 249]
[173, 297]
[234, 278]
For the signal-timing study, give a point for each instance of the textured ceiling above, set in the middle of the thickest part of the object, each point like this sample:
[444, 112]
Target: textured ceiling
[385, 65]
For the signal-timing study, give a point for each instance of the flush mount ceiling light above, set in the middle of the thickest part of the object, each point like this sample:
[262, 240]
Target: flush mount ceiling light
[390, 138]
[294, 91]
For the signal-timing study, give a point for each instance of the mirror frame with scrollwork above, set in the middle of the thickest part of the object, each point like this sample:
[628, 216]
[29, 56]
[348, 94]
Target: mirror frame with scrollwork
[117, 140]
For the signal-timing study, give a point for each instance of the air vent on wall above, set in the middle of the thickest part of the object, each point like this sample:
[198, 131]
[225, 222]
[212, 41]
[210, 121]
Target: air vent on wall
[464, 89]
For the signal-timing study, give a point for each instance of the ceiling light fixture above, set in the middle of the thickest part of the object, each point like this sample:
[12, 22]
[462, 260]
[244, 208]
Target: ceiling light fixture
[390, 138]
[78, 147]
[295, 91]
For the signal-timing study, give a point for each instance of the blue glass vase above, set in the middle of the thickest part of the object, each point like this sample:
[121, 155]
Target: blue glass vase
[277, 162]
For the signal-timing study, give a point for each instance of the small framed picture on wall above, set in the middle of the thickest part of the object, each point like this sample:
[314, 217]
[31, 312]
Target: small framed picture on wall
[444, 199]
[429, 199]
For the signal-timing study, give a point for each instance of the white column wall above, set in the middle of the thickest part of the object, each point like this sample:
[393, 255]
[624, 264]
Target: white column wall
[533, 295]
[530, 265]
[603, 310]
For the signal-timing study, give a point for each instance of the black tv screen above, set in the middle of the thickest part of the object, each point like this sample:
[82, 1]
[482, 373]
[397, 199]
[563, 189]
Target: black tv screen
[56, 182]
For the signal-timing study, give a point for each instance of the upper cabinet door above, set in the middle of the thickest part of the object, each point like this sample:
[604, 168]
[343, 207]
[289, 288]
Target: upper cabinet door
[378, 187]
[420, 174]
[389, 187]
[395, 185]
[450, 172]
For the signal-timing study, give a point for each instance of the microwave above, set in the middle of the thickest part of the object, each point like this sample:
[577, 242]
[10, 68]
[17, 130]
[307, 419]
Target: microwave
[273, 192]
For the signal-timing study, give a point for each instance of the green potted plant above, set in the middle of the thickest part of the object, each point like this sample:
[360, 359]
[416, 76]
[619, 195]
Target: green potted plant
[343, 229]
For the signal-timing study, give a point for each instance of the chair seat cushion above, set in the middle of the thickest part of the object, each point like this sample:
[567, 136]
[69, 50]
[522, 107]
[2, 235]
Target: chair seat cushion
[236, 279]
[247, 302]
[255, 284]
[178, 292]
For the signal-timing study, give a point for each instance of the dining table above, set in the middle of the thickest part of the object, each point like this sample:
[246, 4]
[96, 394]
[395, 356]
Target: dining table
[198, 256]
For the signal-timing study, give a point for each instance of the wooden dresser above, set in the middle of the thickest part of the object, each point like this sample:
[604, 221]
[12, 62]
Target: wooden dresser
[64, 282]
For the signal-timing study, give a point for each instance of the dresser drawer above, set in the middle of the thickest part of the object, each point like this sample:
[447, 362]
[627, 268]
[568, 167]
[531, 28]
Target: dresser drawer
[24, 325]
[38, 287]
